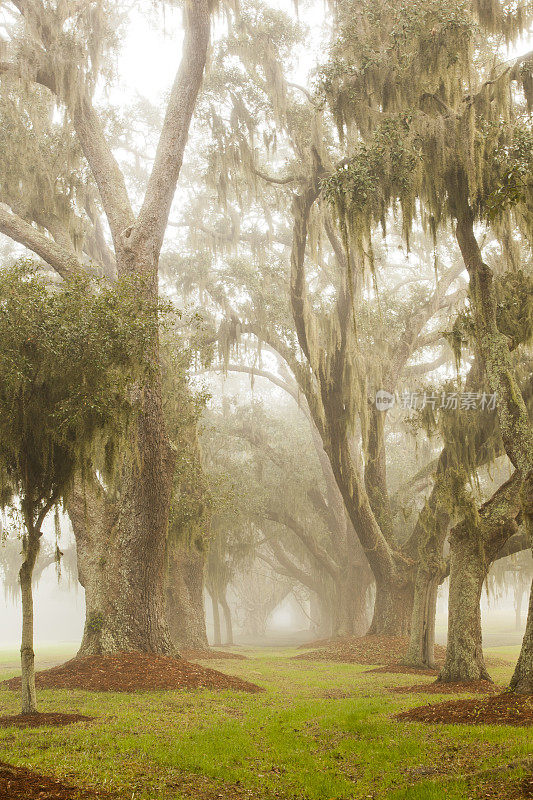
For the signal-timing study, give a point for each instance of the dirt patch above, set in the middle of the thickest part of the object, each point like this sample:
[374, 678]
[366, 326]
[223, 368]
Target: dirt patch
[131, 672]
[18, 783]
[387, 650]
[501, 709]
[399, 669]
[469, 687]
[200, 787]
[502, 789]
[41, 720]
[208, 655]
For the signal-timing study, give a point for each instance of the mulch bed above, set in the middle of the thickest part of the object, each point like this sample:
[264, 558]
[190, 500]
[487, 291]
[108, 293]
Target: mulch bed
[466, 687]
[130, 672]
[41, 720]
[387, 650]
[215, 655]
[500, 709]
[18, 783]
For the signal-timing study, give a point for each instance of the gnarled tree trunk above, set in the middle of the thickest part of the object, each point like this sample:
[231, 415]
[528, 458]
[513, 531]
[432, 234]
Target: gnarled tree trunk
[121, 568]
[468, 570]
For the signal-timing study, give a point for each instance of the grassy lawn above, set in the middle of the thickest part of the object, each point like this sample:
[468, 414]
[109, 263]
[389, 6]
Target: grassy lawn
[319, 731]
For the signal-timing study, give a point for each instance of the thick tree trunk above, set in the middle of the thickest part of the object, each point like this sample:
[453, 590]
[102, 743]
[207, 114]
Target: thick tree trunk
[350, 610]
[217, 636]
[27, 656]
[185, 602]
[227, 618]
[522, 680]
[468, 570]
[121, 545]
[392, 609]
[474, 544]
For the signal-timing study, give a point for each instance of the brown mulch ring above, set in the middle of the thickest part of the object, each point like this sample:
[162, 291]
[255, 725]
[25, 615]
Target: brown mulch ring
[18, 783]
[386, 650]
[130, 672]
[41, 720]
[207, 655]
[466, 687]
[500, 709]
[400, 669]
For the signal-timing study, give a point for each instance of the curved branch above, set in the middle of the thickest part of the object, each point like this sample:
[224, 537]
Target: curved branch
[65, 262]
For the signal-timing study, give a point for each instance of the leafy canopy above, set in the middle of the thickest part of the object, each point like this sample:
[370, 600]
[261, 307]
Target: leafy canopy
[69, 358]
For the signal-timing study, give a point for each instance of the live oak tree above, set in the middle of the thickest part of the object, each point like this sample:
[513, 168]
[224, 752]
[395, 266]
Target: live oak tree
[335, 368]
[70, 356]
[58, 200]
[440, 124]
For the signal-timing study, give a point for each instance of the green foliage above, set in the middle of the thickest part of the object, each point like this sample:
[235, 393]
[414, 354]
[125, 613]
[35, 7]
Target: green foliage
[429, 114]
[69, 357]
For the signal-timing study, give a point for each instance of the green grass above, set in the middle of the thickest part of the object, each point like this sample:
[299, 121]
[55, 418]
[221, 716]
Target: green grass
[319, 731]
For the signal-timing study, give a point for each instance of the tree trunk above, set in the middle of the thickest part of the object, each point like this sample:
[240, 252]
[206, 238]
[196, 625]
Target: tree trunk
[350, 611]
[522, 680]
[392, 609]
[227, 618]
[185, 602]
[217, 638]
[421, 651]
[518, 595]
[121, 546]
[27, 656]
[515, 425]
[468, 570]
[321, 614]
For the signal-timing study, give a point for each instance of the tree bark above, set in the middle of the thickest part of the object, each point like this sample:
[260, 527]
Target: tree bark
[468, 570]
[27, 656]
[350, 609]
[393, 609]
[124, 582]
